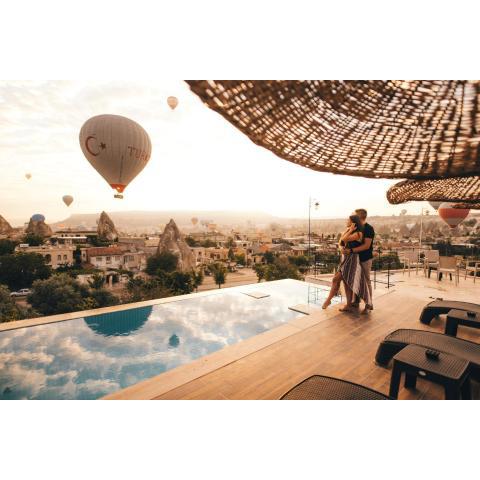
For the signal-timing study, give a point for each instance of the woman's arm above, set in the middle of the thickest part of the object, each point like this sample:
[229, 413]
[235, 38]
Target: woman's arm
[353, 236]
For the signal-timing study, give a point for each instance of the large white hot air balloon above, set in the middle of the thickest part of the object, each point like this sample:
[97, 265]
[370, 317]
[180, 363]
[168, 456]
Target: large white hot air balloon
[172, 102]
[435, 205]
[117, 147]
[67, 200]
[452, 216]
[28, 176]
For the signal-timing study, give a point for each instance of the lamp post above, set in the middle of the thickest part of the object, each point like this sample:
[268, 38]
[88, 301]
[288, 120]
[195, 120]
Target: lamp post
[314, 202]
[421, 225]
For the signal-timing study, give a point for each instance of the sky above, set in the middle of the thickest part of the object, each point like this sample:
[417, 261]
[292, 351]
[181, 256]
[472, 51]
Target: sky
[199, 161]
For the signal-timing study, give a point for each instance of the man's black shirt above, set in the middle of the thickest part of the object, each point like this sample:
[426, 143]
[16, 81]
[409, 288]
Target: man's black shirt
[368, 232]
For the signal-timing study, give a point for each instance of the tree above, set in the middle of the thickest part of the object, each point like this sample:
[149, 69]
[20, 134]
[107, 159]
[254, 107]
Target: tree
[260, 271]
[231, 254]
[21, 270]
[97, 281]
[7, 247]
[197, 278]
[281, 269]
[77, 255]
[180, 283]
[269, 257]
[102, 298]
[219, 273]
[230, 242]
[58, 294]
[165, 261]
[139, 289]
[208, 243]
[8, 308]
[301, 262]
[240, 258]
[32, 239]
[191, 242]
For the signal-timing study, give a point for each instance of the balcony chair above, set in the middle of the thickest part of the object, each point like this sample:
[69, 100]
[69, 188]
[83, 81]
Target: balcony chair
[430, 261]
[410, 260]
[448, 265]
[472, 266]
[319, 387]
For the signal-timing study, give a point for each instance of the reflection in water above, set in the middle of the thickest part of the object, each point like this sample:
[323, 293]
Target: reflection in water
[91, 357]
[124, 322]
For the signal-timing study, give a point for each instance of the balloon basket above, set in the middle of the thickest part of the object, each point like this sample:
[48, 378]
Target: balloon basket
[118, 195]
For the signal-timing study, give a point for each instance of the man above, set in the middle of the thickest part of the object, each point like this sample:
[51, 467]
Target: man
[365, 252]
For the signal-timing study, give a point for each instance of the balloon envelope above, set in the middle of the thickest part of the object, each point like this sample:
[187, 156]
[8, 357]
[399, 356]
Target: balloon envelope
[28, 176]
[194, 220]
[38, 217]
[172, 102]
[117, 147]
[67, 200]
[435, 205]
[452, 216]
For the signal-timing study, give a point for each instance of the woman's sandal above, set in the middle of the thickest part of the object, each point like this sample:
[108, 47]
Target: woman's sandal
[326, 304]
[345, 308]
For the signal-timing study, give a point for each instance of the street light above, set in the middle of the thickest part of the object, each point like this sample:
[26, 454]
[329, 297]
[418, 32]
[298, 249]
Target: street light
[311, 202]
[421, 224]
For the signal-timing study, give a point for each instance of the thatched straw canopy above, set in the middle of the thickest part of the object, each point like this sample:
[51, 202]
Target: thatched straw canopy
[380, 129]
[457, 189]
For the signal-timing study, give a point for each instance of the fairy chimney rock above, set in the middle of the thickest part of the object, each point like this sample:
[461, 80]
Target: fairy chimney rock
[39, 227]
[5, 227]
[106, 228]
[172, 241]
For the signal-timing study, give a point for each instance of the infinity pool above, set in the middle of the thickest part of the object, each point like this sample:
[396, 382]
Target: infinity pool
[87, 358]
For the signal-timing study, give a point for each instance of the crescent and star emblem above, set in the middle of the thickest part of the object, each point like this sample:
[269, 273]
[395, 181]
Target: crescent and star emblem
[102, 146]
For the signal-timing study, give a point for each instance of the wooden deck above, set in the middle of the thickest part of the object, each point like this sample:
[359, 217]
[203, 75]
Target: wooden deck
[329, 343]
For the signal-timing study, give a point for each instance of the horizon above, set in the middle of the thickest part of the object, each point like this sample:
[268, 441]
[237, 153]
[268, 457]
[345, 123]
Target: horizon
[41, 121]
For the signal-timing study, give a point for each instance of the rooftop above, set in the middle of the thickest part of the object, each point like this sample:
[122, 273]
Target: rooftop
[325, 342]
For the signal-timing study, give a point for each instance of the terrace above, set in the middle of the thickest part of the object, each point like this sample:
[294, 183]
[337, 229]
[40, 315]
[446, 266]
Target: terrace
[266, 365]
[325, 342]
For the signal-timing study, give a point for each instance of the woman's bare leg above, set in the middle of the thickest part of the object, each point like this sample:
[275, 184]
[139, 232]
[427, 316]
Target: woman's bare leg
[348, 297]
[336, 281]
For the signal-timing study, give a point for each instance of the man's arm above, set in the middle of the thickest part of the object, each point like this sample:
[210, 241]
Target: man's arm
[364, 246]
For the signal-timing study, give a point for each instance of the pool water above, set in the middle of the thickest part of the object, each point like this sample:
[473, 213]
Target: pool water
[87, 358]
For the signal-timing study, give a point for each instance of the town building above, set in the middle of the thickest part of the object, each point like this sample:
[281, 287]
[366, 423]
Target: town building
[55, 255]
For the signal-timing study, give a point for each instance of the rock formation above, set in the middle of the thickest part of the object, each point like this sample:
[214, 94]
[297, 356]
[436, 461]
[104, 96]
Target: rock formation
[40, 228]
[106, 228]
[5, 227]
[172, 241]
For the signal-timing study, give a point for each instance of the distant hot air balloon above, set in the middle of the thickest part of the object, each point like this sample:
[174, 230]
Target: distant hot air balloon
[403, 212]
[435, 205]
[410, 225]
[452, 216]
[67, 200]
[38, 217]
[117, 147]
[172, 102]
[194, 220]
[28, 176]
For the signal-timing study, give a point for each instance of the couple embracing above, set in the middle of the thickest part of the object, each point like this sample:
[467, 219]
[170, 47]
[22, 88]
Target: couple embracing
[356, 246]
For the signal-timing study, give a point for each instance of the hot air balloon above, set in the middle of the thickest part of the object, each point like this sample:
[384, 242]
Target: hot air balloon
[194, 220]
[38, 217]
[172, 102]
[67, 200]
[117, 147]
[452, 216]
[410, 225]
[28, 176]
[435, 205]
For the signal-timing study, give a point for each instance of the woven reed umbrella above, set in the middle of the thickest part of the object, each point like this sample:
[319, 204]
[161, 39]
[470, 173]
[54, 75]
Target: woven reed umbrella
[418, 129]
[462, 190]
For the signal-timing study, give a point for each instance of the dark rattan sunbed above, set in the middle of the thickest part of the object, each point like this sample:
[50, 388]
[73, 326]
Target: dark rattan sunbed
[439, 307]
[319, 387]
[399, 339]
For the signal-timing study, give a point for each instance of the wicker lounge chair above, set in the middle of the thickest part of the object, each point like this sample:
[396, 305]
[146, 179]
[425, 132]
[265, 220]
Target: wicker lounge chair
[440, 306]
[395, 341]
[319, 387]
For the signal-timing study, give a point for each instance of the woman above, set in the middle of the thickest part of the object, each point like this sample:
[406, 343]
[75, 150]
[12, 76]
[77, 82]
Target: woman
[350, 271]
